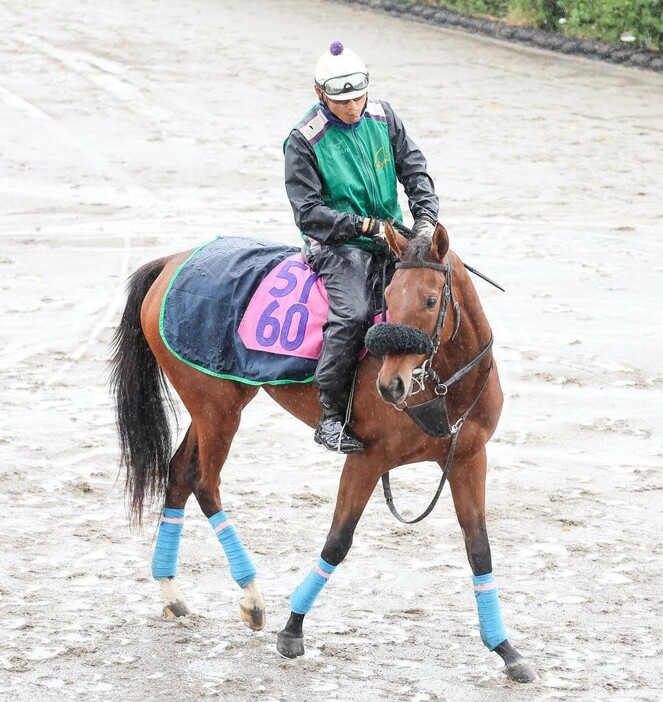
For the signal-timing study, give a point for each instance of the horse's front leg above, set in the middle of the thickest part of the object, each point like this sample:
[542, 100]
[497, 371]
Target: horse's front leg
[357, 484]
[468, 488]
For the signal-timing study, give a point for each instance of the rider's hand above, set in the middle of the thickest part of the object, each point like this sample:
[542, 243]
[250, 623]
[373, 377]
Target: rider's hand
[375, 229]
[424, 226]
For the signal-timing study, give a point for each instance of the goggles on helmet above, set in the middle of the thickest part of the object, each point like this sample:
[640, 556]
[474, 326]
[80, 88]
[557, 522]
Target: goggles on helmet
[345, 84]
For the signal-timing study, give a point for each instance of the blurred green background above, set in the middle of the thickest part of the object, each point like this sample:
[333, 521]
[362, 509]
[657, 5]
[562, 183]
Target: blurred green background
[635, 23]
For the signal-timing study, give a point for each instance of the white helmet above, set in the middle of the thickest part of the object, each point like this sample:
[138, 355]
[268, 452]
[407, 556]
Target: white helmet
[341, 74]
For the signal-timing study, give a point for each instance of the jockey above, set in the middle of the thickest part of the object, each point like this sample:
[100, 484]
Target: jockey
[342, 164]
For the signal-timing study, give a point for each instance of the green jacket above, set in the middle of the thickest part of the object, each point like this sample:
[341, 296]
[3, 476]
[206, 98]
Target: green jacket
[337, 174]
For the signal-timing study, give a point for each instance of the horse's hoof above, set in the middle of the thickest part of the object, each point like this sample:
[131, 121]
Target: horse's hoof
[176, 610]
[254, 617]
[520, 671]
[290, 645]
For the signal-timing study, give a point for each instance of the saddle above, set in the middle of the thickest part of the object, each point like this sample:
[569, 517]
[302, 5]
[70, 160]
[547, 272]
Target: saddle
[247, 310]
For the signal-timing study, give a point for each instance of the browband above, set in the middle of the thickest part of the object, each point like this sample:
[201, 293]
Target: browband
[423, 264]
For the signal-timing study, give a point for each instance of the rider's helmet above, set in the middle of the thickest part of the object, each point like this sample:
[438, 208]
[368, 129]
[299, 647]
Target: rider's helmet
[341, 74]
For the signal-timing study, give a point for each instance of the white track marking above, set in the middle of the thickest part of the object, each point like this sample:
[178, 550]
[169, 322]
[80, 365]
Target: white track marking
[20, 105]
[105, 74]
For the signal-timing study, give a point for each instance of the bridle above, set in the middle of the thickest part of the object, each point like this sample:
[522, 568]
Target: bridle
[420, 374]
[431, 416]
[426, 371]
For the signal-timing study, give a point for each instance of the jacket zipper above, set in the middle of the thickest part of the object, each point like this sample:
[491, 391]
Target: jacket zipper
[369, 173]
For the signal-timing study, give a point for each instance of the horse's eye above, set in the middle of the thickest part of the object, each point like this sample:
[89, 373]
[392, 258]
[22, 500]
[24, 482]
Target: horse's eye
[431, 302]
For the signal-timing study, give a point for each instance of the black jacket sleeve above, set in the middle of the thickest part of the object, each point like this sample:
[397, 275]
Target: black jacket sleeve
[304, 189]
[411, 169]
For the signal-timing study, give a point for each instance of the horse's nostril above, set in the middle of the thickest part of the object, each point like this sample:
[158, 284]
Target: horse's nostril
[397, 387]
[393, 391]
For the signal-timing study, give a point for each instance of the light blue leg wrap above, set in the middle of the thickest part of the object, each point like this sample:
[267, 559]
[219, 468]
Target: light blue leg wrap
[491, 625]
[167, 547]
[241, 566]
[304, 595]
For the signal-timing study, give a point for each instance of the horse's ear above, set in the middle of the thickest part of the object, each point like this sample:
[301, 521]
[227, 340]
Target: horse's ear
[397, 242]
[440, 244]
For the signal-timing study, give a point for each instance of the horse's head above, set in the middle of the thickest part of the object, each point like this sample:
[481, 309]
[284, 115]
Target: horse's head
[417, 298]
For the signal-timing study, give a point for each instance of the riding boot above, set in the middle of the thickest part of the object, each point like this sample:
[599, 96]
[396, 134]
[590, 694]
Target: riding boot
[333, 435]
[346, 272]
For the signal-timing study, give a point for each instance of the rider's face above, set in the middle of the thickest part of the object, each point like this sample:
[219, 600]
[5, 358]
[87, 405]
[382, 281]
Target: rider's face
[348, 111]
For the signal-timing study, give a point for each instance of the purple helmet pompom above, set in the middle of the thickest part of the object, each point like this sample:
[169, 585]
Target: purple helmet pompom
[336, 48]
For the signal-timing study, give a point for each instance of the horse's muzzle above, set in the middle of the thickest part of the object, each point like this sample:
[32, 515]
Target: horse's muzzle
[394, 392]
[388, 338]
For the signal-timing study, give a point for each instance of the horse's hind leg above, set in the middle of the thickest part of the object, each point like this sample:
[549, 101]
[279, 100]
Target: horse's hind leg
[216, 430]
[468, 488]
[166, 551]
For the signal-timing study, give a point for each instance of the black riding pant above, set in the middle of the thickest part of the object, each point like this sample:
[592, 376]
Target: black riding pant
[347, 273]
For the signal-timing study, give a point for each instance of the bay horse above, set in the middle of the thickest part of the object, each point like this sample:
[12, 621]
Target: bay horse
[429, 281]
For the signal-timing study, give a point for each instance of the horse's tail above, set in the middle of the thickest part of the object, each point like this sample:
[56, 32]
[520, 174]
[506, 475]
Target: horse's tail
[141, 398]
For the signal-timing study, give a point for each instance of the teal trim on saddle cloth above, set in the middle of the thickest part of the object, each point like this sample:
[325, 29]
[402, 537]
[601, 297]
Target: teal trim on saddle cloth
[200, 368]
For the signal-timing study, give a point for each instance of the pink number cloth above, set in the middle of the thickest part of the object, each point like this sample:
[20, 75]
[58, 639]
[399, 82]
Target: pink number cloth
[287, 311]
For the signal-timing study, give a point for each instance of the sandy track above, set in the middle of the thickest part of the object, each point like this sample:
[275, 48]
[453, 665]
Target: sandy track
[132, 131]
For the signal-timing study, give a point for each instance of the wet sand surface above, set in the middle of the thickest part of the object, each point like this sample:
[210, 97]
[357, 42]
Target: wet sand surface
[129, 131]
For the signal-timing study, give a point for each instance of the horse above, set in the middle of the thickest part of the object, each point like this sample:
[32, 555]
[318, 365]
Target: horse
[442, 332]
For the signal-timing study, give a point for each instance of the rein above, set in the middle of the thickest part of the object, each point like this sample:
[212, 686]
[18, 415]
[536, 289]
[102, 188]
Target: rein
[431, 416]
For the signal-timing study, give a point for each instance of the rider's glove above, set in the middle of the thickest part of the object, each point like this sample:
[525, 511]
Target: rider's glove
[424, 226]
[376, 231]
